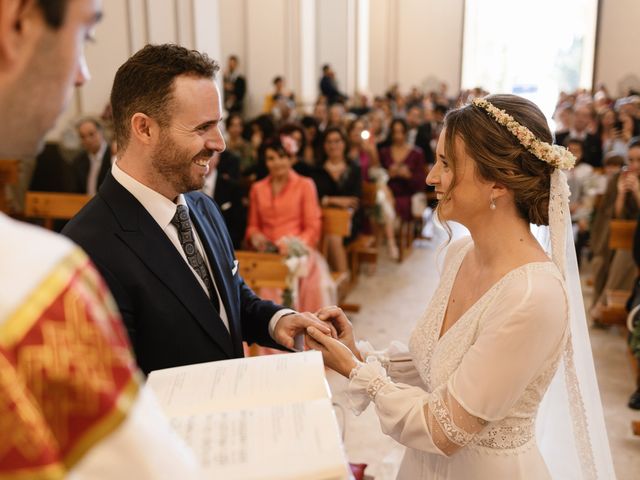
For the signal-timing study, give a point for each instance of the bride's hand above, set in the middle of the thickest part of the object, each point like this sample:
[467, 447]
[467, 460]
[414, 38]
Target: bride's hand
[336, 317]
[336, 355]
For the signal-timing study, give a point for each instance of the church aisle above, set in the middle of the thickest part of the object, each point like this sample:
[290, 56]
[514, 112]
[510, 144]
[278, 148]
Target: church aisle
[393, 300]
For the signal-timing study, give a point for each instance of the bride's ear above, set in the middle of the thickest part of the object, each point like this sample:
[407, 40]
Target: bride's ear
[498, 190]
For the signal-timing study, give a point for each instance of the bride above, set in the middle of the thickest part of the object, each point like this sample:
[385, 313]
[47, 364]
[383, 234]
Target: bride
[488, 387]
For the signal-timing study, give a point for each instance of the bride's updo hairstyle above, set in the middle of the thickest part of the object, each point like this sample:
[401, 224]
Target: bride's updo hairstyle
[499, 156]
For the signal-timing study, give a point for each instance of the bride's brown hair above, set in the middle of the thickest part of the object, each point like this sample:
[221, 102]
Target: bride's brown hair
[499, 157]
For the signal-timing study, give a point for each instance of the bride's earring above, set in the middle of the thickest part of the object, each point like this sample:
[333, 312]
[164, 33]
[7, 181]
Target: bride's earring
[492, 204]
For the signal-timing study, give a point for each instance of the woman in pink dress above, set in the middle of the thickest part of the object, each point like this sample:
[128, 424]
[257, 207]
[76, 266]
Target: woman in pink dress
[285, 204]
[406, 167]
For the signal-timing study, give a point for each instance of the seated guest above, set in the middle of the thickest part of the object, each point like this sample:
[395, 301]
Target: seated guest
[406, 167]
[91, 167]
[364, 153]
[223, 184]
[581, 181]
[339, 184]
[634, 337]
[262, 128]
[293, 139]
[52, 173]
[280, 94]
[285, 205]
[238, 146]
[583, 127]
[614, 270]
[610, 132]
[419, 134]
[312, 151]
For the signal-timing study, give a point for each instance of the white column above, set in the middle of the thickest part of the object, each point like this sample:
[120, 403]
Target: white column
[137, 23]
[308, 89]
[380, 45]
[184, 23]
[266, 49]
[423, 42]
[618, 45]
[336, 41]
[362, 45]
[232, 25]
[161, 16]
[206, 29]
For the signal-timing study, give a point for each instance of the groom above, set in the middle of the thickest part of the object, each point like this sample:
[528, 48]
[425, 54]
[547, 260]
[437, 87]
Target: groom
[166, 253]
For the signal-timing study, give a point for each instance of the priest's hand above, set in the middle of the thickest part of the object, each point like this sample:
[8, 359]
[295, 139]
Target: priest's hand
[336, 355]
[337, 318]
[294, 324]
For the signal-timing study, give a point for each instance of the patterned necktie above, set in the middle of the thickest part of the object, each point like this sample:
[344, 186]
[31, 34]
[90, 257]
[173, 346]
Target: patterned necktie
[182, 222]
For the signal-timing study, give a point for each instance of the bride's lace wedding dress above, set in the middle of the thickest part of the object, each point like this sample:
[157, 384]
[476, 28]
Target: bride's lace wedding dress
[465, 404]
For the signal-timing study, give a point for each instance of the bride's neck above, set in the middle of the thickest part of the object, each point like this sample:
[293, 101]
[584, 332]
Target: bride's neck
[501, 239]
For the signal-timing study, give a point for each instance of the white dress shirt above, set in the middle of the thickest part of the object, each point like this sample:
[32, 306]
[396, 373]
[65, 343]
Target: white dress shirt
[95, 162]
[162, 210]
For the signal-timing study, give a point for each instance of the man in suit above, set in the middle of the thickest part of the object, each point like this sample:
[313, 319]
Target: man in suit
[223, 185]
[166, 253]
[235, 87]
[419, 133]
[91, 167]
[328, 86]
[583, 129]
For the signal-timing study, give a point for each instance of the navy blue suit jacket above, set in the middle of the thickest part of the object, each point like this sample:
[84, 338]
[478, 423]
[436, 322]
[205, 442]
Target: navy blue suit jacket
[170, 319]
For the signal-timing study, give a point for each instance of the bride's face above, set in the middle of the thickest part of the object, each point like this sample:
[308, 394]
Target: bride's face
[462, 195]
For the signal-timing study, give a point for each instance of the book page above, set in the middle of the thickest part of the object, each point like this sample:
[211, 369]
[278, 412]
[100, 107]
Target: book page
[240, 383]
[291, 441]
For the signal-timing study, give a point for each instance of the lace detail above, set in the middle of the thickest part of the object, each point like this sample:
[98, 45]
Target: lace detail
[558, 216]
[425, 336]
[579, 415]
[441, 413]
[508, 433]
[437, 359]
[425, 346]
[365, 380]
[355, 370]
[375, 385]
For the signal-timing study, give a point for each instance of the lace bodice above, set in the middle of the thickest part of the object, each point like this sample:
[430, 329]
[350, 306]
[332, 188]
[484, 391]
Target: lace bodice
[479, 385]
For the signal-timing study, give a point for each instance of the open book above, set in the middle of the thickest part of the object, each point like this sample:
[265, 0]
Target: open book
[264, 418]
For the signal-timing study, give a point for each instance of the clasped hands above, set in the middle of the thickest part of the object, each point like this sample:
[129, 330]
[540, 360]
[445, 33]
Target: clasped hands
[329, 331]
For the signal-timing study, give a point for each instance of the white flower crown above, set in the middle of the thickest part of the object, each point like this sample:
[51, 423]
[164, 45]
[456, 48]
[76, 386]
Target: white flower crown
[554, 155]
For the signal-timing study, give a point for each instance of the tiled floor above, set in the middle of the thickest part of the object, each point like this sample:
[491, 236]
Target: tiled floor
[394, 298]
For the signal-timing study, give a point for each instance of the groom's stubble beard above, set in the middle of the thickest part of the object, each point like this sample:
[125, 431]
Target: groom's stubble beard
[174, 164]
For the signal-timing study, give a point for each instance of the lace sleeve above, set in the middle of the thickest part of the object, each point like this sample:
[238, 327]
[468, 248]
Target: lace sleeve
[521, 337]
[396, 360]
[431, 422]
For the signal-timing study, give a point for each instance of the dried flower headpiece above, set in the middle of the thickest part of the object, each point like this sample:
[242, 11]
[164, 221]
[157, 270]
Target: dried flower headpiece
[554, 155]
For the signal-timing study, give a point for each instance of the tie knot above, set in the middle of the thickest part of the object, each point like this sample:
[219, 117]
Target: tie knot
[181, 218]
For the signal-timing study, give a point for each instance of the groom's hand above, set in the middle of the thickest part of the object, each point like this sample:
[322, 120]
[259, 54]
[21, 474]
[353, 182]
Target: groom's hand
[337, 318]
[293, 324]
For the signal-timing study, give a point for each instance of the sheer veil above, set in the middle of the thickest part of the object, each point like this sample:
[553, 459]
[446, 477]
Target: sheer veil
[570, 426]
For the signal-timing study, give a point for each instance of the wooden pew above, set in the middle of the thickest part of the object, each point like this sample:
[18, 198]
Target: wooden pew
[620, 238]
[51, 206]
[262, 270]
[337, 221]
[9, 175]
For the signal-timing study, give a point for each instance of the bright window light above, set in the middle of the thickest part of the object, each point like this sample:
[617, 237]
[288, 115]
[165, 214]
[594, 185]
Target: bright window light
[535, 49]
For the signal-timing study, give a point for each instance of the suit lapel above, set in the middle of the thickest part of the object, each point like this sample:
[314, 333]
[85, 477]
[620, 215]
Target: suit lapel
[209, 234]
[145, 237]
